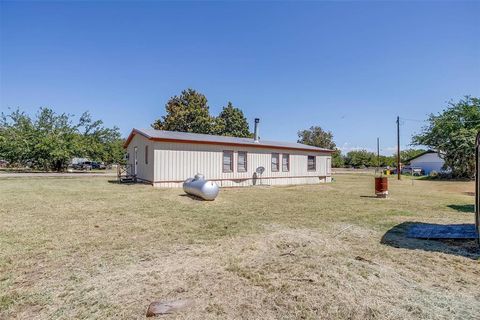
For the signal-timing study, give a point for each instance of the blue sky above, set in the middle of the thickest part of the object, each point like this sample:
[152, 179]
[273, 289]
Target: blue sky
[350, 67]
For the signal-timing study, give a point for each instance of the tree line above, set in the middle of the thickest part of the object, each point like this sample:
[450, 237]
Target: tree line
[451, 133]
[316, 136]
[364, 158]
[49, 140]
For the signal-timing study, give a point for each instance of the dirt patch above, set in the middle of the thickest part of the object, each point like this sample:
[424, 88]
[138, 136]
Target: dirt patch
[458, 187]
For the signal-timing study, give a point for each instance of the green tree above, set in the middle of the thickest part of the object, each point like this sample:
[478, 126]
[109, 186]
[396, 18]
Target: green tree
[188, 112]
[359, 158]
[385, 161]
[407, 154]
[316, 136]
[452, 133]
[114, 151]
[100, 143]
[51, 140]
[338, 160]
[231, 122]
[17, 138]
[56, 141]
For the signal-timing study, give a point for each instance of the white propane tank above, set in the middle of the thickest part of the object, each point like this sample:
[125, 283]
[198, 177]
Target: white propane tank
[198, 186]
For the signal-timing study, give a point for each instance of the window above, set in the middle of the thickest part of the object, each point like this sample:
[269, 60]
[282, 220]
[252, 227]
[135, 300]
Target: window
[311, 164]
[285, 162]
[242, 161]
[227, 161]
[275, 162]
[146, 154]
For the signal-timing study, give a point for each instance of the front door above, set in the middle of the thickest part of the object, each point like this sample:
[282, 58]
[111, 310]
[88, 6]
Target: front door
[135, 160]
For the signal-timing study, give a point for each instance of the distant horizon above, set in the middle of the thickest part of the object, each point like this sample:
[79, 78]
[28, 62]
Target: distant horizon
[347, 67]
[125, 136]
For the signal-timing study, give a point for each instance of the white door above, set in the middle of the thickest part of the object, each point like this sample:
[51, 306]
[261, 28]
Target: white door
[135, 160]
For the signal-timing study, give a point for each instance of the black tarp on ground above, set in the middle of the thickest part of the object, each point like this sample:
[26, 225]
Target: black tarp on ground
[439, 231]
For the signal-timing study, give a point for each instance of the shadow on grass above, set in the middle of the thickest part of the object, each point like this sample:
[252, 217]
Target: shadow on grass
[397, 237]
[438, 179]
[191, 196]
[462, 207]
[118, 182]
[374, 197]
[127, 183]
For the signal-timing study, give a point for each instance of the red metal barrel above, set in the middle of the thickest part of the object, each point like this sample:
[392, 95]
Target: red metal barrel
[381, 187]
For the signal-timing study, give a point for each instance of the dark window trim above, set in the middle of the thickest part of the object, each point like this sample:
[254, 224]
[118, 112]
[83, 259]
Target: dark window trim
[146, 154]
[246, 161]
[231, 162]
[278, 162]
[314, 163]
[288, 163]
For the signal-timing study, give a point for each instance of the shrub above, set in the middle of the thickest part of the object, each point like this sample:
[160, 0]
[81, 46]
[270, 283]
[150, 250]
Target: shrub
[433, 174]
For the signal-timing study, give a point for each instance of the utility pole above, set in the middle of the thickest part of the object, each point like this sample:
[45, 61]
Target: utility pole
[378, 155]
[398, 148]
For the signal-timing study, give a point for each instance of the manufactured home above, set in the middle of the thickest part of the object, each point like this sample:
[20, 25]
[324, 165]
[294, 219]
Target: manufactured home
[168, 158]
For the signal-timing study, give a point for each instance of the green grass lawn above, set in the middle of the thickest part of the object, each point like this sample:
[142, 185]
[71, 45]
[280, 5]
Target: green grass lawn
[86, 248]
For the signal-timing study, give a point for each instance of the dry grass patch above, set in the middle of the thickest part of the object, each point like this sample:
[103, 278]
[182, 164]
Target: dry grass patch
[86, 248]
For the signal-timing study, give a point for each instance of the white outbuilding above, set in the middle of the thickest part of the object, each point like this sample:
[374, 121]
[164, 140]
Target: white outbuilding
[428, 161]
[168, 158]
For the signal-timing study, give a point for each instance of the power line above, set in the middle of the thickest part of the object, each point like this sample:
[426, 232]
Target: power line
[414, 120]
[398, 148]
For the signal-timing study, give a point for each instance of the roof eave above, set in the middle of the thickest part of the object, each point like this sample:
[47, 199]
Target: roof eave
[421, 154]
[135, 131]
[132, 134]
[238, 144]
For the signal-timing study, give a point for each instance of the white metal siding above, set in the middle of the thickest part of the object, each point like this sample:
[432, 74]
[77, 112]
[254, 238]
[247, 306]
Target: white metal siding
[428, 166]
[144, 171]
[428, 162]
[176, 162]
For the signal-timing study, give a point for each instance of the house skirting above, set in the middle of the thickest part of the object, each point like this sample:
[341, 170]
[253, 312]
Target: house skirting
[245, 182]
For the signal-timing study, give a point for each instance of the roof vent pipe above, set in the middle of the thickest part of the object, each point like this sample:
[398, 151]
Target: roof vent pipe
[255, 132]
